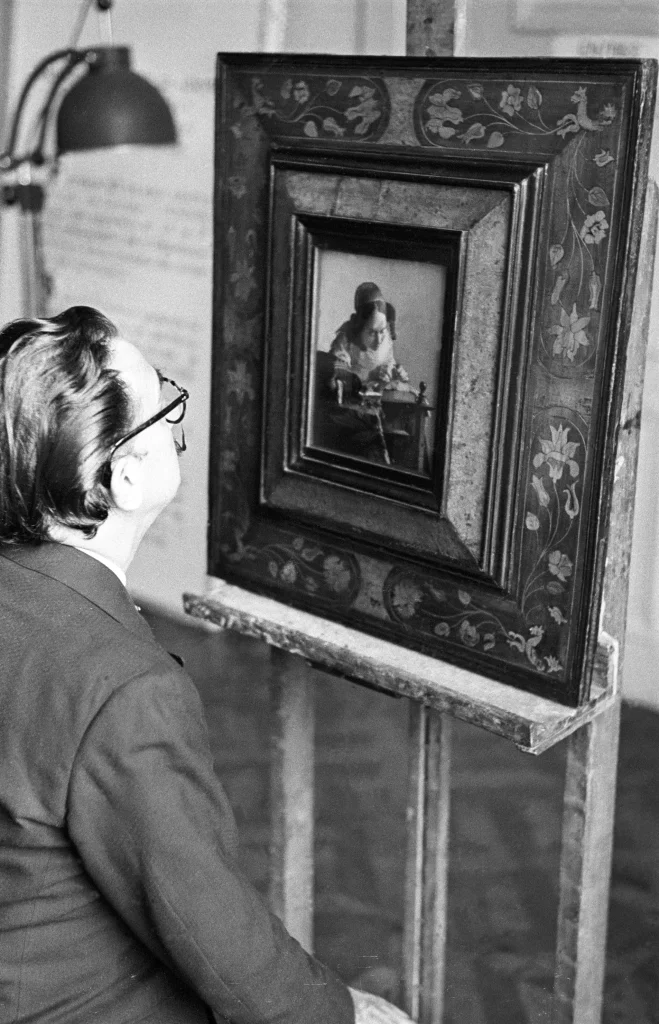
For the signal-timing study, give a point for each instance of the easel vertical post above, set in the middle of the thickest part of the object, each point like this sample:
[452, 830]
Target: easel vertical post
[292, 795]
[426, 885]
[430, 31]
[588, 817]
[430, 28]
[272, 29]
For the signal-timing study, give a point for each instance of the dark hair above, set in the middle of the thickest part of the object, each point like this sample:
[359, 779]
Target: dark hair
[369, 300]
[61, 409]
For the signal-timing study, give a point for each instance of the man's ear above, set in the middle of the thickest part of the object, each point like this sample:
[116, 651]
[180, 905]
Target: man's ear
[127, 483]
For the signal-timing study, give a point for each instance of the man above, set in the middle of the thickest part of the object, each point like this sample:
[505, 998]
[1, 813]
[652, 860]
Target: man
[120, 895]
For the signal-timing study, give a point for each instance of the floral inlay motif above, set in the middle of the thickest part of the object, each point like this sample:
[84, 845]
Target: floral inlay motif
[570, 333]
[603, 158]
[460, 619]
[441, 115]
[405, 598]
[594, 228]
[243, 279]
[511, 100]
[336, 573]
[551, 522]
[559, 564]
[322, 107]
[240, 382]
[310, 568]
[498, 113]
[557, 453]
[241, 252]
[296, 563]
[556, 614]
[493, 114]
[460, 616]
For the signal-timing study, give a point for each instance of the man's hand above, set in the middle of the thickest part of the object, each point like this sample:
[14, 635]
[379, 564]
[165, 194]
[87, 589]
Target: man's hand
[370, 1009]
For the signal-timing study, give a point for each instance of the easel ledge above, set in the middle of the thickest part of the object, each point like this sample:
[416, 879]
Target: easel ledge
[534, 724]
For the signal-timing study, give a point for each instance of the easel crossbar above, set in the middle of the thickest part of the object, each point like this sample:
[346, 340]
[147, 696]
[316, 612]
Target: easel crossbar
[534, 724]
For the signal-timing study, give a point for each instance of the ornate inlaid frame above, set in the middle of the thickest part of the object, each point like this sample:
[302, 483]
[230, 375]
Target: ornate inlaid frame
[524, 183]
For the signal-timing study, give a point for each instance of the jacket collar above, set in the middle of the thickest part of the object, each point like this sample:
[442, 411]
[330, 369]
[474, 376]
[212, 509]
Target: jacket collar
[85, 575]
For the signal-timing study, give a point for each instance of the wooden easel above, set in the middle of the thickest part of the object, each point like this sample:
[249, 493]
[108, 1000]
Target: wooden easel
[438, 692]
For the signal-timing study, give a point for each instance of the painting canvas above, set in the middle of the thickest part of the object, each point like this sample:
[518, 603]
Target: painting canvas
[377, 343]
[424, 282]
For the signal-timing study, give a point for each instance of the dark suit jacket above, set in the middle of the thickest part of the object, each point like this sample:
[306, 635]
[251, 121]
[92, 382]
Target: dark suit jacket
[120, 897]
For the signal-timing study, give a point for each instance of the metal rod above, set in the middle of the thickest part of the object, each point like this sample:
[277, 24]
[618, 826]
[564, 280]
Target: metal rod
[8, 155]
[106, 10]
[43, 118]
[76, 32]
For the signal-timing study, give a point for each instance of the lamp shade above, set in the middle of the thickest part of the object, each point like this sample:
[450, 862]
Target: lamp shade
[112, 106]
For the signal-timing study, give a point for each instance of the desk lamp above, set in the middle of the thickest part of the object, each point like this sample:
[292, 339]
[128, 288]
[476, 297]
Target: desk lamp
[105, 104]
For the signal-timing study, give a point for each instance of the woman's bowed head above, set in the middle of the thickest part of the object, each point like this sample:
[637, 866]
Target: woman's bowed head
[364, 344]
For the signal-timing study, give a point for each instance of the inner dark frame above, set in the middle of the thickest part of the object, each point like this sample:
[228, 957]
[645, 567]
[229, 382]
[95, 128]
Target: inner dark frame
[367, 238]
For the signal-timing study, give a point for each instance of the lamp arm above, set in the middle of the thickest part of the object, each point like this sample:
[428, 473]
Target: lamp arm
[7, 158]
[76, 57]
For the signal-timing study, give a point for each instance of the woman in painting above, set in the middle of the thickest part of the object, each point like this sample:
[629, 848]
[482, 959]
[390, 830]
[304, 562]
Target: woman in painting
[364, 344]
[351, 377]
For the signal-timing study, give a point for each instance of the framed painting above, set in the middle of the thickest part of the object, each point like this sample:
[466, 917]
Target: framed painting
[424, 273]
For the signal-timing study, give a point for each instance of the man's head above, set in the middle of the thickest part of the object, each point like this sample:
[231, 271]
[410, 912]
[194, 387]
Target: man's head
[69, 391]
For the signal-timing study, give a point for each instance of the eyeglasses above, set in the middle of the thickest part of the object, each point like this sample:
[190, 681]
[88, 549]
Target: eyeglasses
[178, 403]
